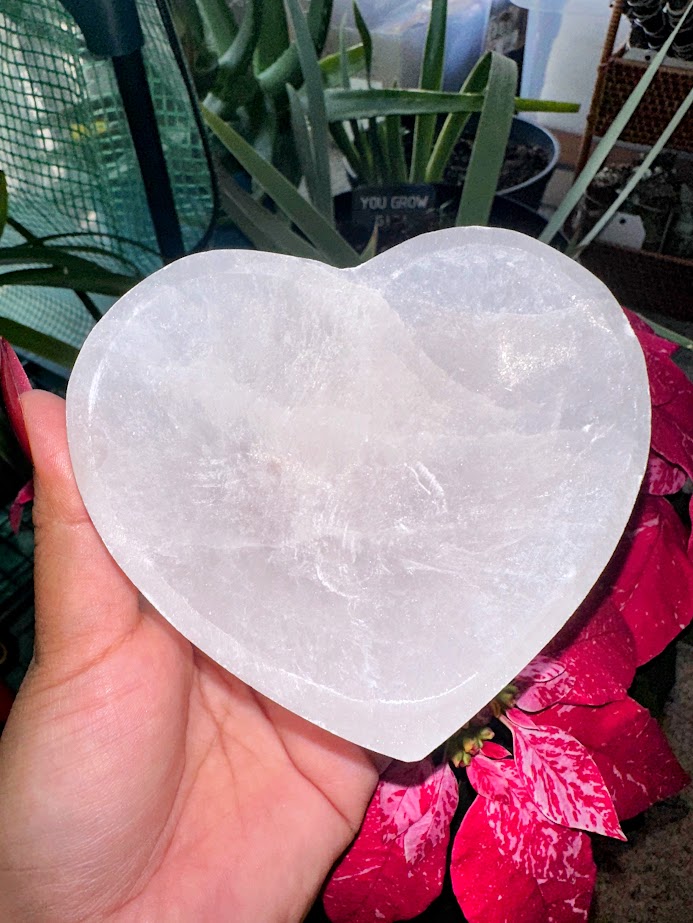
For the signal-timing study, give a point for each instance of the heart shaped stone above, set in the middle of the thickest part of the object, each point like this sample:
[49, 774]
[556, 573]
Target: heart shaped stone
[373, 494]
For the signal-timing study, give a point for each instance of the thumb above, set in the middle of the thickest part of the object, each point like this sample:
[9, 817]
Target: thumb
[84, 603]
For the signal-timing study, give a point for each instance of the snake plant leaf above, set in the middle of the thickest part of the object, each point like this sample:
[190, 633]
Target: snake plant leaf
[431, 79]
[490, 142]
[455, 122]
[333, 68]
[366, 40]
[611, 136]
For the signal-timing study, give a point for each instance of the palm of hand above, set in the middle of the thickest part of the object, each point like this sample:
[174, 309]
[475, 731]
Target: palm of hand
[142, 782]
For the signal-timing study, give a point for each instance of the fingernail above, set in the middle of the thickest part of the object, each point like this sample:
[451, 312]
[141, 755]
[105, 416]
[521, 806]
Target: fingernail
[13, 383]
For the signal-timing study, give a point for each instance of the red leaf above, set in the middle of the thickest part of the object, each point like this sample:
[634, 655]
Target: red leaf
[25, 495]
[562, 778]
[630, 749]
[6, 699]
[396, 865]
[543, 682]
[672, 399]
[13, 382]
[653, 577]
[600, 658]
[510, 864]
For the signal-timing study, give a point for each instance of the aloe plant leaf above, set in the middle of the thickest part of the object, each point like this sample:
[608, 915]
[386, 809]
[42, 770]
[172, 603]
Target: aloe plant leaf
[222, 28]
[643, 168]
[603, 149]
[40, 344]
[490, 142]
[305, 216]
[287, 68]
[237, 57]
[431, 79]
[317, 116]
[273, 39]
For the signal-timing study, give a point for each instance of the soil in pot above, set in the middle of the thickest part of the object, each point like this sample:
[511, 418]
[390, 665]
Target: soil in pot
[522, 163]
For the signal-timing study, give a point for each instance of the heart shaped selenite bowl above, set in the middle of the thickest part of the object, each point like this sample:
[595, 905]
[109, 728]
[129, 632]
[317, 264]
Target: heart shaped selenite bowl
[373, 494]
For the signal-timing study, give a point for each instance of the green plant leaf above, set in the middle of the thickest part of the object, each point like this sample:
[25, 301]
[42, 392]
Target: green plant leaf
[643, 168]
[366, 40]
[287, 68]
[455, 122]
[304, 147]
[267, 231]
[40, 344]
[222, 28]
[395, 148]
[490, 142]
[611, 136]
[333, 69]
[81, 280]
[3, 202]
[317, 116]
[307, 219]
[343, 105]
[237, 57]
[431, 78]
[274, 34]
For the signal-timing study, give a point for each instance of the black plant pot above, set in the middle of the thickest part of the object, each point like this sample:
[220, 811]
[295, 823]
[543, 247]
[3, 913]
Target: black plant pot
[505, 213]
[531, 192]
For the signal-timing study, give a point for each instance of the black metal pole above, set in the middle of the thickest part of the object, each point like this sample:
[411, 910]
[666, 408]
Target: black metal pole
[111, 28]
[139, 111]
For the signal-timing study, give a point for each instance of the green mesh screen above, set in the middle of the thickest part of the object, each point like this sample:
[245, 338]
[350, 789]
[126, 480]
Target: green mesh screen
[70, 162]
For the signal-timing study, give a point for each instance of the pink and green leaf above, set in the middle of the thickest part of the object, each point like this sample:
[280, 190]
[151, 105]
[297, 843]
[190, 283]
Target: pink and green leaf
[562, 778]
[396, 865]
[630, 749]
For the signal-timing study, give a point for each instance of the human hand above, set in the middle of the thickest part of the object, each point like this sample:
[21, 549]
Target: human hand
[139, 781]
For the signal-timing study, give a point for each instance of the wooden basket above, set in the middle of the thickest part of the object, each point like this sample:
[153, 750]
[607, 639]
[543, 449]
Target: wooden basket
[665, 94]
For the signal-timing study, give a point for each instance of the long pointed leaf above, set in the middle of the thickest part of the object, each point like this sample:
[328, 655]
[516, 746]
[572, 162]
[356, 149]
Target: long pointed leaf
[395, 148]
[333, 70]
[343, 105]
[317, 115]
[456, 121]
[303, 144]
[40, 344]
[307, 219]
[488, 152]
[78, 280]
[644, 167]
[266, 230]
[431, 79]
[287, 68]
[366, 40]
[603, 149]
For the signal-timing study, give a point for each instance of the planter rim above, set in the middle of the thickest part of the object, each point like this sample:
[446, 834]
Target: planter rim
[548, 169]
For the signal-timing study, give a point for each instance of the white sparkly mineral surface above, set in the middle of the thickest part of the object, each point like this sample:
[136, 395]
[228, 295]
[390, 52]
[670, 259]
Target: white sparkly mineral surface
[373, 494]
